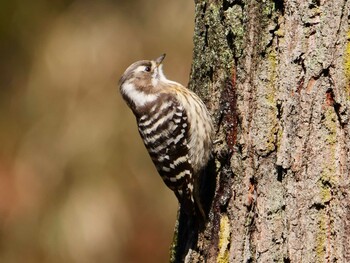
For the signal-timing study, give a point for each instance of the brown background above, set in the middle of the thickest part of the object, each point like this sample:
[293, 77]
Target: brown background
[76, 184]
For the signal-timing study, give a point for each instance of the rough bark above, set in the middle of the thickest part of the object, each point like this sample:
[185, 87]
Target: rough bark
[276, 77]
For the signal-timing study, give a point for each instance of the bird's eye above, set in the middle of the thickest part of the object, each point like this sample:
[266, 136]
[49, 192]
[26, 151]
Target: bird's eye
[147, 69]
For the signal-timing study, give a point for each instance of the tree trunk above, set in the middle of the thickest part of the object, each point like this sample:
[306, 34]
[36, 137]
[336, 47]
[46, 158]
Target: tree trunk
[276, 77]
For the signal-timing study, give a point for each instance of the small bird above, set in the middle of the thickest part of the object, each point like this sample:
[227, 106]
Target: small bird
[175, 126]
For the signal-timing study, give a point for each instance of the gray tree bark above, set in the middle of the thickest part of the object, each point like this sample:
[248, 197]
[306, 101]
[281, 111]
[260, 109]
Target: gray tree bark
[276, 77]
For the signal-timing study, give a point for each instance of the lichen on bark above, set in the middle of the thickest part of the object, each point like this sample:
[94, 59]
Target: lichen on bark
[275, 76]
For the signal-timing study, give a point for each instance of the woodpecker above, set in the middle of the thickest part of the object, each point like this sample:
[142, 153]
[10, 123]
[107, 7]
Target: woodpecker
[175, 126]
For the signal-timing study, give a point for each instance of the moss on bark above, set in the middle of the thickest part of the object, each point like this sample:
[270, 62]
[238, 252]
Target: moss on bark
[282, 187]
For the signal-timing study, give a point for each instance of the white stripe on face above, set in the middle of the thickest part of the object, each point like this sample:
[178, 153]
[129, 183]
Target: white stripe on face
[140, 98]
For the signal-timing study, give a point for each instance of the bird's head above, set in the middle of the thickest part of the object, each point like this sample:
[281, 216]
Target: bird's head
[139, 84]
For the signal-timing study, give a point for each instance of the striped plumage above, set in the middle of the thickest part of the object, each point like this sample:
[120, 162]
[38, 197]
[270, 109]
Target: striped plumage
[175, 126]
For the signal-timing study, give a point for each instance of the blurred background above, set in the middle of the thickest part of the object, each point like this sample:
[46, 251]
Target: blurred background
[76, 183]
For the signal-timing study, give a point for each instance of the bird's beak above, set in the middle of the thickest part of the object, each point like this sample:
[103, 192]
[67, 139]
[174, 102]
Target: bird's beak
[160, 60]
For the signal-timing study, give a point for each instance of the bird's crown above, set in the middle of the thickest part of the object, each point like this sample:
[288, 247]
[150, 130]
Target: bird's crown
[143, 70]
